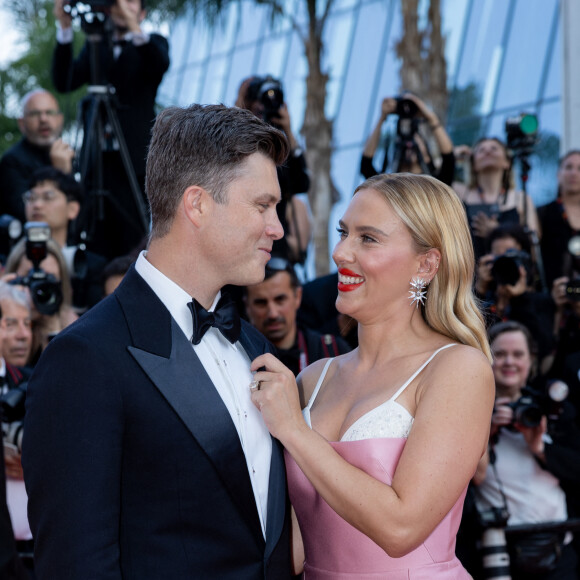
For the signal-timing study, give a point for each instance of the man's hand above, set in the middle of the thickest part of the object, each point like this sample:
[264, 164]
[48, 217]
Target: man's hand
[62, 17]
[13, 463]
[61, 156]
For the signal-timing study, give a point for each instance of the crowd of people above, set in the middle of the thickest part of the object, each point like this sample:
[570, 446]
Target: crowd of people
[427, 389]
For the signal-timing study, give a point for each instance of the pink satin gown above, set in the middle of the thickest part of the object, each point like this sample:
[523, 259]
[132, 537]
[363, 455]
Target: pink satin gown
[336, 550]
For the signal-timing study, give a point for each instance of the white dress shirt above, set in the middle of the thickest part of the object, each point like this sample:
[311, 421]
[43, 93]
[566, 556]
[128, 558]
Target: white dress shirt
[228, 366]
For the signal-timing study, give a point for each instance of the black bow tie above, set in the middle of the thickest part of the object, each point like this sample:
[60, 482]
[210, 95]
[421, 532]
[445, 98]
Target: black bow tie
[225, 318]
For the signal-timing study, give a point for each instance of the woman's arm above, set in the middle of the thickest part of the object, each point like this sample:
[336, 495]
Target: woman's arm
[448, 438]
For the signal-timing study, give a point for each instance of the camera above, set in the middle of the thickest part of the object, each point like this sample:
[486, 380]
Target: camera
[406, 108]
[573, 286]
[533, 405]
[45, 289]
[12, 403]
[10, 232]
[521, 132]
[94, 5]
[268, 91]
[506, 268]
[408, 122]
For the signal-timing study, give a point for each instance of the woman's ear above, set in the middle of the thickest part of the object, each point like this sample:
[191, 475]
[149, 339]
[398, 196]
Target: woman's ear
[429, 264]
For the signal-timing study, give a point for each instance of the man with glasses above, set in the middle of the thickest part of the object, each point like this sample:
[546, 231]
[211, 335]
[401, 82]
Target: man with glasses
[41, 125]
[55, 198]
[272, 306]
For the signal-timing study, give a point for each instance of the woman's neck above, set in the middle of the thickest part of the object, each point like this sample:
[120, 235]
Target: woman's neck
[489, 185]
[570, 198]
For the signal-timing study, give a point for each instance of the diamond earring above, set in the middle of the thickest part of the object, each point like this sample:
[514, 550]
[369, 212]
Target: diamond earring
[418, 292]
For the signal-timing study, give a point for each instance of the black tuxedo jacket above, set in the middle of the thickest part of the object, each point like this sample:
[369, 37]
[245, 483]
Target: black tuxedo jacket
[136, 75]
[132, 463]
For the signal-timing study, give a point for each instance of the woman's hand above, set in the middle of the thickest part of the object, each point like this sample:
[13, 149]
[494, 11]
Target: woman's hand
[502, 414]
[275, 394]
[534, 437]
[482, 224]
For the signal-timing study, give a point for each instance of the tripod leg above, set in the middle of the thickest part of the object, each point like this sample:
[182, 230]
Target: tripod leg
[127, 164]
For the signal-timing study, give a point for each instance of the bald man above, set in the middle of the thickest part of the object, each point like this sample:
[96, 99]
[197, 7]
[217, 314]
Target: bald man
[40, 123]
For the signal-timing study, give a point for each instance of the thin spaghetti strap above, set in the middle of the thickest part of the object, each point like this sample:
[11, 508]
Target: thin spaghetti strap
[414, 375]
[318, 384]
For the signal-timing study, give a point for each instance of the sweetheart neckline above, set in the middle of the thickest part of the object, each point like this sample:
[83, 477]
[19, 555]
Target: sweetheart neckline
[370, 412]
[374, 409]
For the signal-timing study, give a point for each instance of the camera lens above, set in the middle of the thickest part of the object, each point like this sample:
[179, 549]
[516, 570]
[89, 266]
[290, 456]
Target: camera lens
[505, 270]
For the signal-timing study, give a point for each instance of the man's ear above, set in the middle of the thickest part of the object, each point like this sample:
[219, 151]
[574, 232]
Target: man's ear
[195, 204]
[299, 295]
[74, 207]
[429, 264]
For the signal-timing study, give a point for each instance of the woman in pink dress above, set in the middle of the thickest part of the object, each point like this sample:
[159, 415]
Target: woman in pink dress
[391, 433]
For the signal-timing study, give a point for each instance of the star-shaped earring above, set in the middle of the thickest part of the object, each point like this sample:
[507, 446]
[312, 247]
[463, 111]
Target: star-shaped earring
[418, 291]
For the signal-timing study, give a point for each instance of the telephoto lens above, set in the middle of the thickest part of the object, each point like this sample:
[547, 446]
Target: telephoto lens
[495, 557]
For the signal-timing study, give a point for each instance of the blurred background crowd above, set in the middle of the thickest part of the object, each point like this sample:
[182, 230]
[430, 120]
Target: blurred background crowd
[479, 105]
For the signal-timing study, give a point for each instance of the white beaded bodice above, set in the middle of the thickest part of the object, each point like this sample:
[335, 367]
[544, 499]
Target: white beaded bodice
[388, 420]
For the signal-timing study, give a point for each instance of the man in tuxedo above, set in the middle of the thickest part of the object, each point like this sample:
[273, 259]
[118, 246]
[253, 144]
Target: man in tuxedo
[132, 62]
[144, 457]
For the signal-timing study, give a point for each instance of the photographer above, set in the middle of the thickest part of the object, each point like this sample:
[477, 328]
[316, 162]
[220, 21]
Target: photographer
[51, 308]
[560, 219]
[490, 199]
[264, 97]
[40, 123]
[566, 360]
[533, 464]
[56, 199]
[133, 63]
[504, 283]
[12, 395]
[411, 150]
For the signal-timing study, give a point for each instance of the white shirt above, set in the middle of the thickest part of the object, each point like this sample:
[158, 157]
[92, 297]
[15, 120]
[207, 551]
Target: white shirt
[533, 494]
[228, 366]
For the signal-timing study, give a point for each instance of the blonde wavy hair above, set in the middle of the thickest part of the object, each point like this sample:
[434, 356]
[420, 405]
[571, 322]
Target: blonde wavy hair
[435, 217]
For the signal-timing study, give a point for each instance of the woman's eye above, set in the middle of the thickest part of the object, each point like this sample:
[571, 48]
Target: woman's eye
[341, 233]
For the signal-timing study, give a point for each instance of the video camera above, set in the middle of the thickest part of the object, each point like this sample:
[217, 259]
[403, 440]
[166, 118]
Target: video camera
[521, 132]
[45, 289]
[268, 91]
[533, 405]
[506, 268]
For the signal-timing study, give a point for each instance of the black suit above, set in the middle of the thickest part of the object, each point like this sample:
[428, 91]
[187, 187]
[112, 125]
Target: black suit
[132, 463]
[136, 75]
[16, 168]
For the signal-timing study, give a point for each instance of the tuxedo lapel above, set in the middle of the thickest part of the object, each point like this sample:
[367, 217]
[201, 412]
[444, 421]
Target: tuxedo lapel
[168, 359]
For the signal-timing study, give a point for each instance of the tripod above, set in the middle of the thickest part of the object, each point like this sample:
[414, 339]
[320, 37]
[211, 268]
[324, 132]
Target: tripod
[102, 129]
[532, 234]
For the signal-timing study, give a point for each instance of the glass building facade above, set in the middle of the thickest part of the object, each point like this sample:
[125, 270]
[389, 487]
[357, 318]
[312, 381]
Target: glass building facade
[503, 58]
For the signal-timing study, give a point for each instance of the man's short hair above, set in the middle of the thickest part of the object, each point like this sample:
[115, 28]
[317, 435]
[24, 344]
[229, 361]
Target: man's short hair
[14, 293]
[63, 181]
[202, 145]
[279, 264]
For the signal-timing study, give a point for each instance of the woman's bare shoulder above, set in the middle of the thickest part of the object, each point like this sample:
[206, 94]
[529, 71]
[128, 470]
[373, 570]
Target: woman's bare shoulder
[308, 378]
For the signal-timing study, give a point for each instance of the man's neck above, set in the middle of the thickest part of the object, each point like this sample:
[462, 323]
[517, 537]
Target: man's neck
[289, 341]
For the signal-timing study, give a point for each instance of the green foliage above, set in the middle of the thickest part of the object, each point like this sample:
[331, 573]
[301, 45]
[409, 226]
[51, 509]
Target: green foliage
[35, 22]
